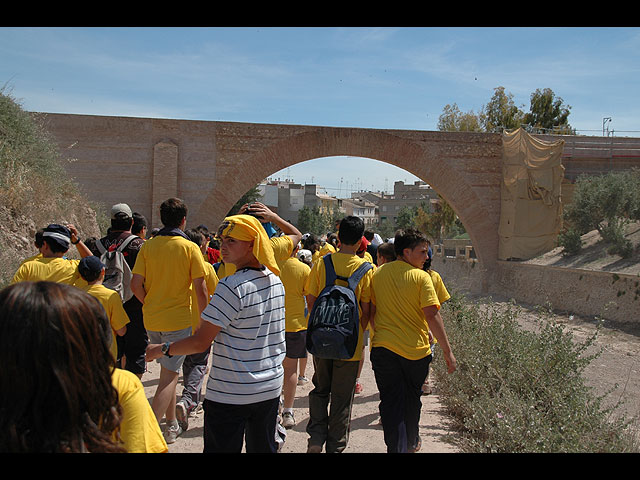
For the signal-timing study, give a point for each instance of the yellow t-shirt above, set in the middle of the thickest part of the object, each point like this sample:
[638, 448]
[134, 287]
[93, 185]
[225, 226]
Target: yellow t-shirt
[368, 258]
[211, 280]
[326, 248]
[112, 304]
[399, 293]
[168, 265]
[51, 269]
[438, 285]
[344, 264]
[293, 275]
[441, 292]
[139, 429]
[33, 257]
[282, 249]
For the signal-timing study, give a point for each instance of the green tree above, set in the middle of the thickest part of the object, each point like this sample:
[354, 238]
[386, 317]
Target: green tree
[309, 220]
[607, 203]
[501, 112]
[406, 217]
[250, 196]
[453, 120]
[548, 111]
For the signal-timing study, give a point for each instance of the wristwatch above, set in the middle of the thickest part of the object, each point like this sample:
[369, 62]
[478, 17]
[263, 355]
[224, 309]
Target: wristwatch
[165, 349]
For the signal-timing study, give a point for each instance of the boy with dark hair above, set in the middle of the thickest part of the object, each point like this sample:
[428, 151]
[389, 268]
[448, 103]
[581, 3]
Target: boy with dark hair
[166, 270]
[406, 309]
[194, 367]
[52, 266]
[132, 345]
[386, 253]
[139, 226]
[93, 271]
[335, 380]
[172, 212]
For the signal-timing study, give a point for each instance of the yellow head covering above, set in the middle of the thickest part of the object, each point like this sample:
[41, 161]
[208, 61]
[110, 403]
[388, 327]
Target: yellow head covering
[247, 228]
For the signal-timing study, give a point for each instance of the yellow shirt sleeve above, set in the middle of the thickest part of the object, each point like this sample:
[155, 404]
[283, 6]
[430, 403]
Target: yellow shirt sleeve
[441, 291]
[139, 429]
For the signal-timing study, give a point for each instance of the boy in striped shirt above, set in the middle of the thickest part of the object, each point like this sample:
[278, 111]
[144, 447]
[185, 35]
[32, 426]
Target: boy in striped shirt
[246, 323]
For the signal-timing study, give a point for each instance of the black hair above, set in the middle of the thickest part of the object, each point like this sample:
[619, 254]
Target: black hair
[38, 237]
[351, 230]
[195, 235]
[172, 212]
[55, 246]
[121, 222]
[387, 251]
[90, 276]
[409, 238]
[139, 222]
[311, 243]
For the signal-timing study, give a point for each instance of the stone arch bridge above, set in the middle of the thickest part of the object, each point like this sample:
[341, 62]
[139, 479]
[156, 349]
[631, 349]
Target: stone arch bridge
[209, 164]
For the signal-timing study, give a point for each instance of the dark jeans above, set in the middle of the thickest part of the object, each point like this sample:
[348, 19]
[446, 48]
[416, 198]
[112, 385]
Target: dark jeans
[133, 343]
[226, 425]
[335, 383]
[399, 382]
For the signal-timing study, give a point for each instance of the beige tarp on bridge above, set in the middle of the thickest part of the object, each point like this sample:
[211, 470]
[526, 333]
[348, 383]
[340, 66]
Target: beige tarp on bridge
[531, 210]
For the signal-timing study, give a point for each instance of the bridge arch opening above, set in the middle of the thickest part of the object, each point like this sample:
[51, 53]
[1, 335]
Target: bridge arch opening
[386, 196]
[439, 163]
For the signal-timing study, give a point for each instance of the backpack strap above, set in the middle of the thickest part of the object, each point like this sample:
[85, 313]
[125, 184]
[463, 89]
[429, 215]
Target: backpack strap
[355, 278]
[329, 270]
[100, 247]
[352, 281]
[126, 242]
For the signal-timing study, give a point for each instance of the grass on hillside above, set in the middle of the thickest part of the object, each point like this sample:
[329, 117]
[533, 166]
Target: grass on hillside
[35, 189]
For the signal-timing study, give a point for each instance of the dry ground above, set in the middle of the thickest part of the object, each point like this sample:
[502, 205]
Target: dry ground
[616, 370]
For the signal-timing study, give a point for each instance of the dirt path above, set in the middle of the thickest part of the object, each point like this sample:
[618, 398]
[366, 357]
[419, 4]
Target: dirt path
[617, 368]
[366, 432]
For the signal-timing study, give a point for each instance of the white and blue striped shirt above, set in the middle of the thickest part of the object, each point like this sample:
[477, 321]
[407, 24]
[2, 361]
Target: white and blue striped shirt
[247, 353]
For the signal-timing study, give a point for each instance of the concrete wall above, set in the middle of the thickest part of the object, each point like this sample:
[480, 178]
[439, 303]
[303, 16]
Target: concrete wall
[584, 292]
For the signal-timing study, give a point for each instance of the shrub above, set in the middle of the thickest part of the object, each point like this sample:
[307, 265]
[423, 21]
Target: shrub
[606, 203]
[571, 242]
[517, 390]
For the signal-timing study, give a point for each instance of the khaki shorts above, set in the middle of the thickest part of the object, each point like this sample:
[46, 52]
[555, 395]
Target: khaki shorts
[175, 362]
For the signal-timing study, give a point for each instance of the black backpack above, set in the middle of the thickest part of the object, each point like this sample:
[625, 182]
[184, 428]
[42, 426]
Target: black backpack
[334, 321]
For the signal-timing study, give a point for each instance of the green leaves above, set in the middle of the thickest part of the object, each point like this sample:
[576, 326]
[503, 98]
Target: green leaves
[520, 390]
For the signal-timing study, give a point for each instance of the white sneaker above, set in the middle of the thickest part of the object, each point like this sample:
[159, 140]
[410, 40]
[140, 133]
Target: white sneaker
[287, 420]
[171, 433]
[302, 380]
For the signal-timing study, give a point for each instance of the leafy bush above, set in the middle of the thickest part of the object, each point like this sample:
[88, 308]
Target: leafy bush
[606, 203]
[517, 390]
[571, 242]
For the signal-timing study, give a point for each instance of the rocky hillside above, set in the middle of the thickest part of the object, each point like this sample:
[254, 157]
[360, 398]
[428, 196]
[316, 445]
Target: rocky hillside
[35, 189]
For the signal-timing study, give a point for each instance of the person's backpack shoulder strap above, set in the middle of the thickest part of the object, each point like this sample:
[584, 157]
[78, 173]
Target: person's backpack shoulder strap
[100, 247]
[330, 271]
[126, 242]
[360, 272]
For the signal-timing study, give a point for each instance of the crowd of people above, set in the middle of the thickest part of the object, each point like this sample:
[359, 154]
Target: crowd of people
[236, 303]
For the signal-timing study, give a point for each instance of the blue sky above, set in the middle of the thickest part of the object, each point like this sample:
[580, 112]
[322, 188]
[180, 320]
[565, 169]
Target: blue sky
[390, 78]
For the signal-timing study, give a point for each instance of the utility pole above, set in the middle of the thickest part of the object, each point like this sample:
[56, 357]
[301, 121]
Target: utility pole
[605, 120]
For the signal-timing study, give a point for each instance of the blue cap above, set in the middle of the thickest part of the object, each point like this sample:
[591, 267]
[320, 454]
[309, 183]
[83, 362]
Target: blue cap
[90, 266]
